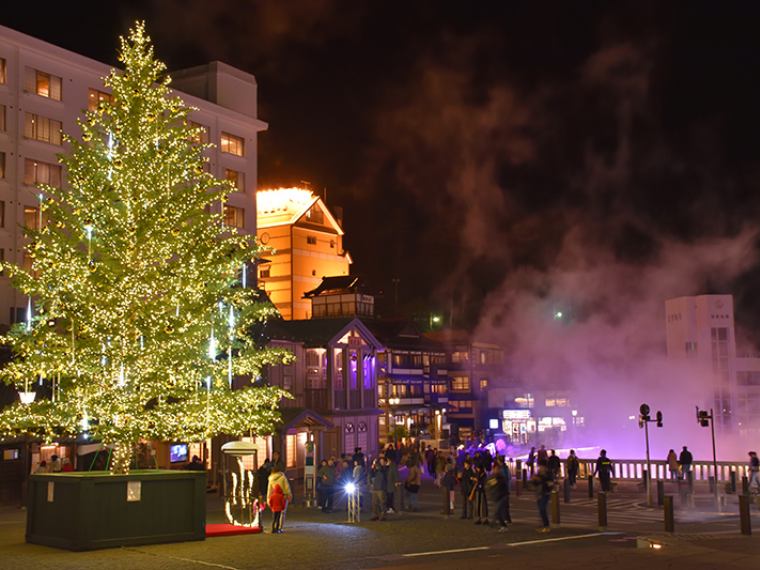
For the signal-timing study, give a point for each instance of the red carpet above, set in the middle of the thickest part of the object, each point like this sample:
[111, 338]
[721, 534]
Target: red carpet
[225, 529]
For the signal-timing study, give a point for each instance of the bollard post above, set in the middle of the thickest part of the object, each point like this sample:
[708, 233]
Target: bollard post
[745, 520]
[745, 485]
[670, 524]
[590, 486]
[601, 505]
[525, 475]
[732, 480]
[660, 492]
[711, 483]
[555, 507]
[566, 490]
[683, 493]
[518, 487]
[518, 466]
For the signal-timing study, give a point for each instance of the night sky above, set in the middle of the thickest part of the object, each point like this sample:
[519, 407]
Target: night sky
[470, 140]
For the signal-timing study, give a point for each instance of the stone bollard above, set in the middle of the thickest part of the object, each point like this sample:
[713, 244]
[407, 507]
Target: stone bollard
[601, 505]
[745, 519]
[566, 490]
[660, 492]
[745, 485]
[732, 480]
[590, 486]
[670, 524]
[555, 507]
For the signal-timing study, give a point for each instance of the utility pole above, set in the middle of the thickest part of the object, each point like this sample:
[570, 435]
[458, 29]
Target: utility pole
[644, 420]
[704, 419]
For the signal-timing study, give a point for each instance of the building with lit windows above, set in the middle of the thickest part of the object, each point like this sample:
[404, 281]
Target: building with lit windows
[44, 89]
[306, 243]
[475, 367]
[412, 384]
[701, 330]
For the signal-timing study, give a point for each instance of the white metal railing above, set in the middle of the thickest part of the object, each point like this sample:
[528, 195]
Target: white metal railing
[634, 469]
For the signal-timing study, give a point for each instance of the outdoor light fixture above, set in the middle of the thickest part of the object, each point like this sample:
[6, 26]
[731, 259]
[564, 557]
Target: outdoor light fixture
[350, 488]
[27, 397]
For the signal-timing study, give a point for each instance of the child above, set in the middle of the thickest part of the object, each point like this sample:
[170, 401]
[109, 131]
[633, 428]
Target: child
[277, 505]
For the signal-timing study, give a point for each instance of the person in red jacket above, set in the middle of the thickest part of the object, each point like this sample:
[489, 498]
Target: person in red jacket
[277, 505]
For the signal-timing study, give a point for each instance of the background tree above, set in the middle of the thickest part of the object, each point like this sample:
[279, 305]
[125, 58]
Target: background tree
[138, 315]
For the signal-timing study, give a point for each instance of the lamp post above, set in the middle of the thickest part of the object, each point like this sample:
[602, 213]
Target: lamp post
[644, 420]
[392, 403]
[704, 419]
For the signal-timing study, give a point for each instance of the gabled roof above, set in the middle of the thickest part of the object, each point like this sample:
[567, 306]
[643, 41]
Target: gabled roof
[403, 335]
[318, 333]
[286, 206]
[334, 284]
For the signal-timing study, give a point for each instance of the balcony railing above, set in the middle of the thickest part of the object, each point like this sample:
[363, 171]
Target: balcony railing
[316, 399]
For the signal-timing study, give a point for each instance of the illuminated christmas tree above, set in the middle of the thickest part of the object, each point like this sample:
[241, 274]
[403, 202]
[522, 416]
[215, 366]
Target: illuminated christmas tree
[139, 315]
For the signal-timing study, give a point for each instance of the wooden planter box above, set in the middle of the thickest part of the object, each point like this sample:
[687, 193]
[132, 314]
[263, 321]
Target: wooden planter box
[89, 510]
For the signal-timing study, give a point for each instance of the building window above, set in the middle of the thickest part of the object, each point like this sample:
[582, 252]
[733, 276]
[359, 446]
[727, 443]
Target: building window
[332, 244]
[200, 137]
[234, 217]
[2, 118]
[95, 98]
[232, 144]
[237, 179]
[311, 240]
[2, 71]
[2, 165]
[691, 346]
[36, 172]
[2, 213]
[290, 451]
[484, 383]
[460, 356]
[264, 273]
[42, 129]
[2, 260]
[46, 85]
[460, 384]
[31, 218]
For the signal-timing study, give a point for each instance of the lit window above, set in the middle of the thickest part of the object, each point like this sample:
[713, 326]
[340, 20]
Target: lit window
[95, 98]
[200, 137]
[31, 218]
[2, 260]
[232, 144]
[46, 85]
[460, 356]
[460, 384]
[42, 129]
[36, 173]
[484, 383]
[2, 165]
[2, 71]
[290, 451]
[237, 179]
[311, 240]
[234, 217]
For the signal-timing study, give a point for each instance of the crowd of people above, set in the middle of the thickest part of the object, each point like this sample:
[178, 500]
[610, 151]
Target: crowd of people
[392, 481]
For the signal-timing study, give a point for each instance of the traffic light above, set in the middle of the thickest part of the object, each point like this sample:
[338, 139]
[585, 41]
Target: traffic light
[644, 411]
[703, 418]
[659, 419]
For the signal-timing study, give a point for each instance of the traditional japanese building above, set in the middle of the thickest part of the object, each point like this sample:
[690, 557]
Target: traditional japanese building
[306, 243]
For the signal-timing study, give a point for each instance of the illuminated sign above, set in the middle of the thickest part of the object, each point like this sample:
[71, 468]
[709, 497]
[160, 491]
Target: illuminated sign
[515, 414]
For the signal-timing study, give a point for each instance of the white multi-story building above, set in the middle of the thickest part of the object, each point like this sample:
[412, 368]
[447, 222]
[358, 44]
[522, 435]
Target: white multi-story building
[701, 329]
[44, 89]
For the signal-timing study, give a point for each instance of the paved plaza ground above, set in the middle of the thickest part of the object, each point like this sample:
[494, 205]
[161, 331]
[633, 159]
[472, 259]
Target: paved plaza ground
[427, 539]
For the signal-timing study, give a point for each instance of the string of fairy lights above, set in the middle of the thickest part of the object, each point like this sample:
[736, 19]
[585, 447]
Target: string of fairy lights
[139, 310]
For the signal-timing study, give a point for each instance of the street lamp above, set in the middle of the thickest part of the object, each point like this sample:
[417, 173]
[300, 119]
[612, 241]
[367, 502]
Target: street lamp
[392, 403]
[434, 320]
[704, 419]
[644, 420]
